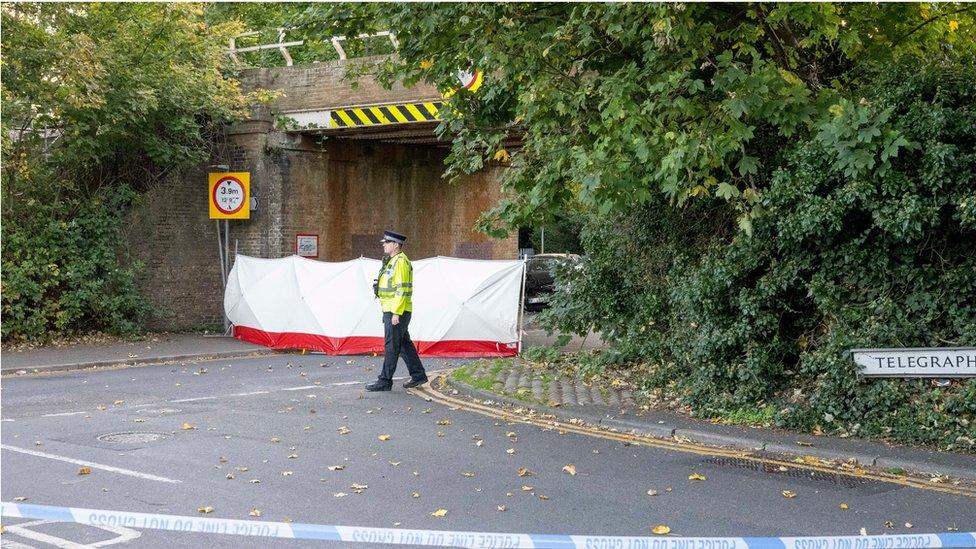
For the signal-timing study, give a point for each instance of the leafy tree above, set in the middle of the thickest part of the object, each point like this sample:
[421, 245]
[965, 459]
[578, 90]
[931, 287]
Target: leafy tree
[625, 103]
[98, 100]
[858, 248]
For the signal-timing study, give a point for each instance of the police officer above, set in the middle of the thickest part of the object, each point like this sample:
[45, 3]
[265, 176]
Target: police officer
[395, 289]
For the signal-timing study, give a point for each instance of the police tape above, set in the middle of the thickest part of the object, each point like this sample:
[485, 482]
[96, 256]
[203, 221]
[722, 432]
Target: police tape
[442, 538]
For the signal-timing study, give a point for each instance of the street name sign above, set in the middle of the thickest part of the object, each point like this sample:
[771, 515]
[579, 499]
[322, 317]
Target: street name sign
[230, 195]
[944, 362]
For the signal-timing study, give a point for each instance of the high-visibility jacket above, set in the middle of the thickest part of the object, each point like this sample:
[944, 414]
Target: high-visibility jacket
[396, 285]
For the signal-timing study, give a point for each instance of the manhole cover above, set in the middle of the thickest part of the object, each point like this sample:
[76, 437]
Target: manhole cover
[132, 437]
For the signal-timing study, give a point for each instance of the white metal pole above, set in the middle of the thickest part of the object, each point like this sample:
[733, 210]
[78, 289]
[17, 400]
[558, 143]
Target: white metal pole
[543, 239]
[521, 321]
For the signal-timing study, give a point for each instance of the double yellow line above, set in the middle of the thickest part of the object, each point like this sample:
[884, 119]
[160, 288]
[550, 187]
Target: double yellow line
[428, 392]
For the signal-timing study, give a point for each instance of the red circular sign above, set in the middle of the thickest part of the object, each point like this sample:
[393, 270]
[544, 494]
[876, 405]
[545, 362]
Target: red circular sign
[229, 195]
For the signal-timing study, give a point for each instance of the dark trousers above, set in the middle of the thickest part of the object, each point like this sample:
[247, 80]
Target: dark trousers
[397, 343]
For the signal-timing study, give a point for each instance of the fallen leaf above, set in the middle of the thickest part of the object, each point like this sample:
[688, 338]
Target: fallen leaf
[275, 439]
[355, 486]
[119, 402]
[241, 469]
[415, 495]
[384, 438]
[84, 471]
[544, 498]
[571, 469]
[908, 525]
[864, 531]
[888, 524]
[443, 422]
[524, 472]
[254, 513]
[696, 476]
[139, 420]
[526, 488]
[187, 426]
[652, 492]
[292, 456]
[802, 443]
[344, 430]
[479, 443]
[254, 481]
[510, 434]
[20, 498]
[206, 509]
[336, 467]
[340, 494]
[101, 407]
[230, 476]
[286, 473]
[439, 513]
[844, 506]
[440, 434]
[502, 508]
[468, 474]
[788, 494]
[952, 528]
[395, 463]
[661, 530]
[510, 451]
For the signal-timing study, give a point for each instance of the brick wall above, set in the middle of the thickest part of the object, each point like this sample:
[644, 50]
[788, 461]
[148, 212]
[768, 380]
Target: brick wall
[347, 192]
[323, 86]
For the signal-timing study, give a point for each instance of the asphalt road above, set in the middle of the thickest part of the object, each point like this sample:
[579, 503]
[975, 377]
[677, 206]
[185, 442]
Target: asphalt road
[285, 420]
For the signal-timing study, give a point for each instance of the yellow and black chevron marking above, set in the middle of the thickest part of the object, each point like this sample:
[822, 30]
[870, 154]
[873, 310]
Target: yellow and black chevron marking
[385, 114]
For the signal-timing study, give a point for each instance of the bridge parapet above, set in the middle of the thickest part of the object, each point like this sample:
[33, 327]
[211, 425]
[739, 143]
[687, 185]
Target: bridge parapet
[323, 86]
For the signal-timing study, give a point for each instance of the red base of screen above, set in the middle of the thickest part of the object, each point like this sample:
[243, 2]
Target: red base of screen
[362, 345]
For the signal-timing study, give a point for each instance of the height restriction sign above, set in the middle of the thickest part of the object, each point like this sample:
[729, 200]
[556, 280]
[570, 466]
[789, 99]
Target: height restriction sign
[230, 195]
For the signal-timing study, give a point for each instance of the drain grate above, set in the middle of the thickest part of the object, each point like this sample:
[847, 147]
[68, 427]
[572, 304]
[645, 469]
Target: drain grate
[823, 477]
[132, 437]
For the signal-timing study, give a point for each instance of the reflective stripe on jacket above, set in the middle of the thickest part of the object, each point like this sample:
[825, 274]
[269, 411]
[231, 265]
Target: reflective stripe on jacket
[396, 285]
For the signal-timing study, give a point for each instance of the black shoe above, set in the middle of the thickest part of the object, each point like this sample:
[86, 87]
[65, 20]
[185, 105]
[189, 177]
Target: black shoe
[379, 386]
[411, 383]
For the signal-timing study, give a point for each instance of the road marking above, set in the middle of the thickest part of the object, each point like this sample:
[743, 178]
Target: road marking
[124, 535]
[93, 465]
[428, 392]
[64, 414]
[302, 388]
[195, 399]
[7, 544]
[6, 420]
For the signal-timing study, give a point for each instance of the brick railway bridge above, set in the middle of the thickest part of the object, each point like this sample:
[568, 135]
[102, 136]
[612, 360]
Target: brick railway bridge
[325, 158]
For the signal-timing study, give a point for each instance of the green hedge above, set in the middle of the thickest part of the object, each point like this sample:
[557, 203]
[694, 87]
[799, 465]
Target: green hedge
[868, 239]
[62, 274]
